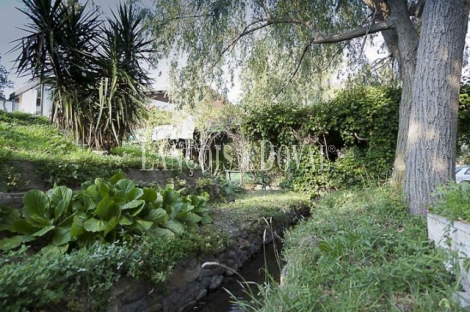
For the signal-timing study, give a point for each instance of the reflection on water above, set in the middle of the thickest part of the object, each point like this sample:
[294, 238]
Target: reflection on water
[252, 271]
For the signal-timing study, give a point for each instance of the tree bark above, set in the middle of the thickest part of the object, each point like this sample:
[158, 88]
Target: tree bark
[431, 145]
[407, 40]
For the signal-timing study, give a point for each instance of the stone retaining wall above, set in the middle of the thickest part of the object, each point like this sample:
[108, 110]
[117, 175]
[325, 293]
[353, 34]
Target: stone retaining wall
[189, 281]
[162, 176]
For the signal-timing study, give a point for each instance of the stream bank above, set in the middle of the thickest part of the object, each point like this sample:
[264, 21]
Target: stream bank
[263, 267]
[247, 228]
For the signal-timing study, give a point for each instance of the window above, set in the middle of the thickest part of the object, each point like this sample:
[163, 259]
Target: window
[468, 171]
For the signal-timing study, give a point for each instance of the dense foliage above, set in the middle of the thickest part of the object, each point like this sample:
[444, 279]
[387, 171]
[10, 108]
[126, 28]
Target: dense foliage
[219, 188]
[97, 78]
[339, 143]
[464, 116]
[347, 141]
[361, 251]
[270, 40]
[82, 279]
[102, 210]
[453, 201]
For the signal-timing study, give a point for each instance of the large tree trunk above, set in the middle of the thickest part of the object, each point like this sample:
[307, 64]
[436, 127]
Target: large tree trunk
[404, 45]
[432, 133]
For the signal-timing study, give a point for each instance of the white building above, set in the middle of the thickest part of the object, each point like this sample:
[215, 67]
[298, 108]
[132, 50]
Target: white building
[33, 98]
[6, 105]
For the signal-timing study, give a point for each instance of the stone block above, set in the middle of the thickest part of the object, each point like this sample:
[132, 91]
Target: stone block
[206, 282]
[440, 230]
[213, 270]
[154, 308]
[254, 248]
[136, 306]
[231, 254]
[202, 294]
[184, 274]
[188, 307]
[181, 297]
[461, 242]
[216, 281]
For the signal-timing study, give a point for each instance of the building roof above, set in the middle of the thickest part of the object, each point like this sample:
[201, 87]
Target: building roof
[26, 87]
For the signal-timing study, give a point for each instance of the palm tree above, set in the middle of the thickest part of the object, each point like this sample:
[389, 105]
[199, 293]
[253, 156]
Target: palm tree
[94, 68]
[124, 47]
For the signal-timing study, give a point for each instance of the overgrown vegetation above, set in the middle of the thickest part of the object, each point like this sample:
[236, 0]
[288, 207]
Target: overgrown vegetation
[360, 251]
[453, 201]
[103, 211]
[26, 138]
[121, 230]
[464, 114]
[219, 188]
[347, 141]
[81, 280]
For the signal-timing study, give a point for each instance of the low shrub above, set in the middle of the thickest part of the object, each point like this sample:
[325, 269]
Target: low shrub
[453, 201]
[218, 187]
[82, 279]
[20, 118]
[102, 210]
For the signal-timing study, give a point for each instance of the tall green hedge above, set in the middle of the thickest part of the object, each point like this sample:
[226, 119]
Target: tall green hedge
[352, 138]
[347, 141]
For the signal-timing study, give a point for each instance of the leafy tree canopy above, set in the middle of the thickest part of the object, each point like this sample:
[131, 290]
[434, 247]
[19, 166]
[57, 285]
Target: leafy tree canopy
[4, 81]
[278, 41]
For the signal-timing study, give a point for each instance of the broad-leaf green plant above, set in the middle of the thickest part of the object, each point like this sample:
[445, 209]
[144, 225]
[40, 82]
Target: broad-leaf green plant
[105, 211]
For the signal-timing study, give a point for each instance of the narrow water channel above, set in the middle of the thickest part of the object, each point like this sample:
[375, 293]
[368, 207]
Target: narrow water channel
[252, 271]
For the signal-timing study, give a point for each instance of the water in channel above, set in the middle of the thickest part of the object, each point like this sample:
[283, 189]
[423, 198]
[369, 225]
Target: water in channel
[252, 271]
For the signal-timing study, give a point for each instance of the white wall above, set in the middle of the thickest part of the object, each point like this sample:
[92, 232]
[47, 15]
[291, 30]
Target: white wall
[6, 106]
[28, 102]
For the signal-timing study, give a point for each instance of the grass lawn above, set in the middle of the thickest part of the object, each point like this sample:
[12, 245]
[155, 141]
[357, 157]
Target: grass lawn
[360, 251]
[26, 138]
[253, 206]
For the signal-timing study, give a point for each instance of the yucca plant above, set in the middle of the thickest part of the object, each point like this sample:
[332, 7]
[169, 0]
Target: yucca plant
[59, 50]
[122, 94]
[94, 68]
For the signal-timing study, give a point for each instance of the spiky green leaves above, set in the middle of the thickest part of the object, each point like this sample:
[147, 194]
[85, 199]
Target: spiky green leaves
[94, 68]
